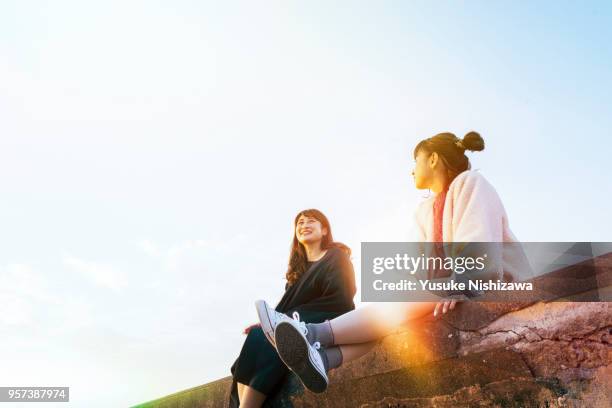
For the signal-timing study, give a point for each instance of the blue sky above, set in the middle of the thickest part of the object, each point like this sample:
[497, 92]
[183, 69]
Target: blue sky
[153, 156]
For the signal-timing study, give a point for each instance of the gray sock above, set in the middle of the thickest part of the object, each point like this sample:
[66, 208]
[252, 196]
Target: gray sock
[334, 357]
[321, 332]
[331, 356]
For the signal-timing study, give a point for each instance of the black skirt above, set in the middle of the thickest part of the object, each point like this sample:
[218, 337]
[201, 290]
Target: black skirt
[324, 292]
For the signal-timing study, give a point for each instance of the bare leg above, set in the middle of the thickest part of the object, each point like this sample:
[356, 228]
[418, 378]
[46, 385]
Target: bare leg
[354, 351]
[252, 398]
[375, 321]
[241, 388]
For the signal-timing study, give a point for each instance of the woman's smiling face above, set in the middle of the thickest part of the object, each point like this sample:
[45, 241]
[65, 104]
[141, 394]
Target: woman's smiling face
[308, 230]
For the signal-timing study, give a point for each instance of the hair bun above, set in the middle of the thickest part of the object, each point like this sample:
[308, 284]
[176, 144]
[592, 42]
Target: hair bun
[473, 141]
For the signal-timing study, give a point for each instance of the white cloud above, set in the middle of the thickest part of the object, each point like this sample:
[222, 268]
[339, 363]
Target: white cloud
[15, 311]
[21, 280]
[148, 247]
[20, 289]
[102, 275]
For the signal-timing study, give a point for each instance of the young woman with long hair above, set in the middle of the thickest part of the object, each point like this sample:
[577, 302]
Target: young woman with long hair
[465, 208]
[320, 286]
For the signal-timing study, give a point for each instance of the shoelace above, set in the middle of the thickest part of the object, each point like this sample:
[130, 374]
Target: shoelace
[302, 325]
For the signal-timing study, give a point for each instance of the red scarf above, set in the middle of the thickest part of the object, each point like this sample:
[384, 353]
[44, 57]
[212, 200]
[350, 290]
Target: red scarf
[438, 216]
[438, 211]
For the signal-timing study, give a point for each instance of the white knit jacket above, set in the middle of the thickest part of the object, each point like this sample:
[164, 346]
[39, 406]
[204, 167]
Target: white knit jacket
[473, 212]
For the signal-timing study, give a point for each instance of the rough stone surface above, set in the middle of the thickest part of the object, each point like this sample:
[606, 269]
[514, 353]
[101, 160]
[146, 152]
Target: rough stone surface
[441, 377]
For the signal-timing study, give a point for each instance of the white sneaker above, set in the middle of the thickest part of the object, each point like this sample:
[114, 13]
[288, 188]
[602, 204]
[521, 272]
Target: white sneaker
[299, 355]
[269, 318]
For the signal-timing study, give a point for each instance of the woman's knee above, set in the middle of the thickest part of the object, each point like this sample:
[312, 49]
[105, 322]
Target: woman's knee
[401, 313]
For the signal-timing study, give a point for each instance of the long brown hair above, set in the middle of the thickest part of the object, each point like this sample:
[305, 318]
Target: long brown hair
[297, 256]
[451, 150]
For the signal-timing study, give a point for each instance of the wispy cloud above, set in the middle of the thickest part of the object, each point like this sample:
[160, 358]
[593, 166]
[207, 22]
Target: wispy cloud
[148, 247]
[102, 275]
[20, 290]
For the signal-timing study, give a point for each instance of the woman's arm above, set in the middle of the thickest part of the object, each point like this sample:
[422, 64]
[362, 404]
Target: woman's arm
[338, 284]
[478, 216]
[477, 213]
[334, 287]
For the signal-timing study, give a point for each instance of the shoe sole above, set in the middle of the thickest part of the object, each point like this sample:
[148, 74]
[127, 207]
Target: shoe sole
[264, 319]
[293, 350]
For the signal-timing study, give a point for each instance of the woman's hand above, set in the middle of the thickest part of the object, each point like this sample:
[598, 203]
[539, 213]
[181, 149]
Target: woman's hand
[248, 329]
[445, 305]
